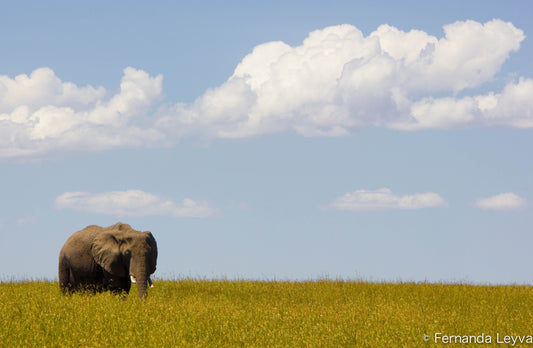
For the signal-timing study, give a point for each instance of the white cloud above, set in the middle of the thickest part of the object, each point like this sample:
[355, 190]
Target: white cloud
[336, 81]
[40, 114]
[503, 201]
[25, 220]
[44, 88]
[132, 203]
[362, 200]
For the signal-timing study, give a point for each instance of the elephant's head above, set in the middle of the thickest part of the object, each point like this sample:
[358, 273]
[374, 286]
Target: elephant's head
[122, 252]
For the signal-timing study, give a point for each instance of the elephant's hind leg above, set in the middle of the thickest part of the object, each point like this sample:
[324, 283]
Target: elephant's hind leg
[65, 283]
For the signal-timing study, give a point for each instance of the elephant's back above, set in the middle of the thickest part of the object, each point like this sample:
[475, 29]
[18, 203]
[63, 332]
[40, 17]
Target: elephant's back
[80, 240]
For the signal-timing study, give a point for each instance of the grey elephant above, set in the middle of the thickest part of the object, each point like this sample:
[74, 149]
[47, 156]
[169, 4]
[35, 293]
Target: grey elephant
[100, 259]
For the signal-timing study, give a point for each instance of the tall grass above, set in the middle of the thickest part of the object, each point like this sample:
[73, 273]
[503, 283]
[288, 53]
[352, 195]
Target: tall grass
[248, 313]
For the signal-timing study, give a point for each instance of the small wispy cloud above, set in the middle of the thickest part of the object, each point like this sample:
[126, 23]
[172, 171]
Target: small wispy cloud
[503, 201]
[25, 220]
[362, 200]
[132, 203]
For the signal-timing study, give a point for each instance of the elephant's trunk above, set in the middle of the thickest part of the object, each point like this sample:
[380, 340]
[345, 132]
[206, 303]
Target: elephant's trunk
[140, 271]
[142, 279]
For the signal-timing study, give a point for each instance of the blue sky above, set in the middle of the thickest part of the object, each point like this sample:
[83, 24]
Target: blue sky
[377, 140]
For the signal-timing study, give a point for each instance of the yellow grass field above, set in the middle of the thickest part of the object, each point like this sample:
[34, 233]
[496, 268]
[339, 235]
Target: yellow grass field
[328, 313]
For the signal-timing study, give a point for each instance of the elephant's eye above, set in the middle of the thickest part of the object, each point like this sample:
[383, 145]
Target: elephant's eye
[127, 252]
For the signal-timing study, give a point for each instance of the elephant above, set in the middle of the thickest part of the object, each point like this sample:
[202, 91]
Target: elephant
[107, 258]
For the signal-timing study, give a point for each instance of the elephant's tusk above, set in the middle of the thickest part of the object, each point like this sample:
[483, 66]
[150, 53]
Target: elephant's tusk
[134, 281]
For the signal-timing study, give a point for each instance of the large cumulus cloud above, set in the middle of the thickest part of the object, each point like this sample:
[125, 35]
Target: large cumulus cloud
[336, 81]
[339, 80]
[39, 114]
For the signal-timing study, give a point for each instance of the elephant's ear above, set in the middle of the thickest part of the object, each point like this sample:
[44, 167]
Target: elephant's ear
[106, 253]
[153, 251]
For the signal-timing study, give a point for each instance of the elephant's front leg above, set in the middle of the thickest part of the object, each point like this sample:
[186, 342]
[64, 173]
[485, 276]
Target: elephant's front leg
[117, 284]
